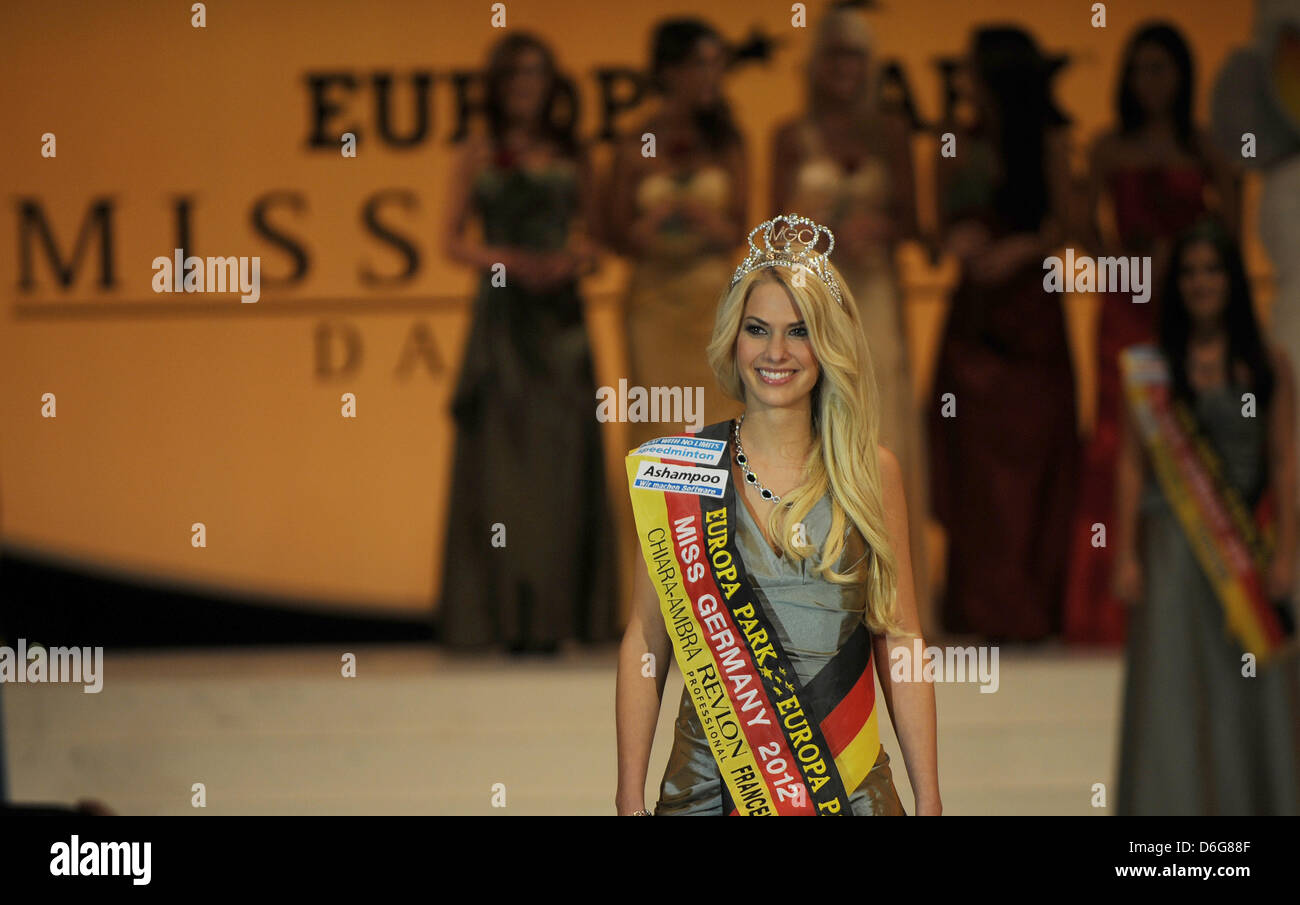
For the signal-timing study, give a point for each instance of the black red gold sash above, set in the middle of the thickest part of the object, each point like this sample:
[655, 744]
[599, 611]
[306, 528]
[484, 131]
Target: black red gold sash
[780, 747]
[1232, 544]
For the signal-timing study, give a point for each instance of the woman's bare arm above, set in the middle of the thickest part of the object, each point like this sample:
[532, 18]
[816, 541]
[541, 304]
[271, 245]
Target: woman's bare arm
[1227, 183]
[629, 230]
[1100, 166]
[898, 141]
[1009, 253]
[1282, 474]
[946, 171]
[726, 228]
[459, 247]
[1127, 580]
[640, 689]
[587, 237]
[910, 704]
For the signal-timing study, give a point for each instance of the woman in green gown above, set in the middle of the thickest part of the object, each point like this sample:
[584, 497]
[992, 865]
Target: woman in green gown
[529, 563]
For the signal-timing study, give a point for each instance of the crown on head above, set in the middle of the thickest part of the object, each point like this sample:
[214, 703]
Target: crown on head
[791, 241]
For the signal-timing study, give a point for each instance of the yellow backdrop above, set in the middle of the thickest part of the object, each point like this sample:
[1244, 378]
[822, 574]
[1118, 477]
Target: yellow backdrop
[177, 409]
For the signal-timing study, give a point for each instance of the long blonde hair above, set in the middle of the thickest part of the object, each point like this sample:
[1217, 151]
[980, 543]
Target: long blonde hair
[845, 430]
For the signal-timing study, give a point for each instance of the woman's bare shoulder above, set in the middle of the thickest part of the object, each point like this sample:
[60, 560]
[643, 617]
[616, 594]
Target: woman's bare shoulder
[891, 474]
[888, 461]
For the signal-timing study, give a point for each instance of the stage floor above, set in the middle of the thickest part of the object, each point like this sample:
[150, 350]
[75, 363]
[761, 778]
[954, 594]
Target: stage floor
[421, 731]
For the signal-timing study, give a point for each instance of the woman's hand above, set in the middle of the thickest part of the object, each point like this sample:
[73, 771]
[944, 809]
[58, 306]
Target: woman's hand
[1126, 583]
[539, 271]
[626, 807]
[645, 228]
[523, 267]
[557, 268]
[967, 240]
[710, 221]
[863, 231]
[929, 806]
[999, 260]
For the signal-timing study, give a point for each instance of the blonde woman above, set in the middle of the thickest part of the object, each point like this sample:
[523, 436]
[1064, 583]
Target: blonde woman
[774, 567]
[847, 164]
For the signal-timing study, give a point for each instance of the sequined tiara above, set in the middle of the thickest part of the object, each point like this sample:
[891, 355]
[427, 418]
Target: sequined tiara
[792, 244]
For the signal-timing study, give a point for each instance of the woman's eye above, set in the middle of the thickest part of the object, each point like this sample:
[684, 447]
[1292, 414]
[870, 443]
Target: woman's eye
[799, 331]
[754, 330]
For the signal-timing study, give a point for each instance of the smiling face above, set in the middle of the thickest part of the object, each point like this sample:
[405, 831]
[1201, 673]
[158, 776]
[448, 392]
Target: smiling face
[773, 351]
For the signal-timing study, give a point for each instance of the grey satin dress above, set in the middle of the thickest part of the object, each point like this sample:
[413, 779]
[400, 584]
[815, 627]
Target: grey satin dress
[1199, 738]
[813, 618]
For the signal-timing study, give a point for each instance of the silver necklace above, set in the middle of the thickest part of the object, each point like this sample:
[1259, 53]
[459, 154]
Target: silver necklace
[750, 477]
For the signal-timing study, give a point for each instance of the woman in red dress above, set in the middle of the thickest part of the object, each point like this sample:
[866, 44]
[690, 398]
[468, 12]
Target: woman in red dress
[1002, 426]
[1157, 174]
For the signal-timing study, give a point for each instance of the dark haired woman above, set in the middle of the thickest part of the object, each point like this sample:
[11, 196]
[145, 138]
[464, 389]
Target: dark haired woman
[1002, 426]
[1157, 173]
[1212, 693]
[677, 213]
[528, 562]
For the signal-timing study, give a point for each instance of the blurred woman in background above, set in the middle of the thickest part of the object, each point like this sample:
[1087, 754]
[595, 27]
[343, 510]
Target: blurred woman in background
[1003, 441]
[848, 165]
[677, 213]
[1150, 178]
[1205, 554]
[529, 559]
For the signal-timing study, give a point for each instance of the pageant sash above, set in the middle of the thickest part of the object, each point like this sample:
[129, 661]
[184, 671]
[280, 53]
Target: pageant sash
[780, 748]
[1231, 544]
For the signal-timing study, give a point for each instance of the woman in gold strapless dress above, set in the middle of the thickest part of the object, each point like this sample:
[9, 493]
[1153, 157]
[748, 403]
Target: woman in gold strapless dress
[844, 164]
[678, 214]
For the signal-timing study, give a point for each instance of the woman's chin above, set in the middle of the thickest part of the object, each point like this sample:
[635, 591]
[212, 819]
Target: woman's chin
[781, 396]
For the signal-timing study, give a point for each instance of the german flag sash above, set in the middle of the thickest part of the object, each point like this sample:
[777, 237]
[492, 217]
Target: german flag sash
[1232, 544]
[781, 748]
